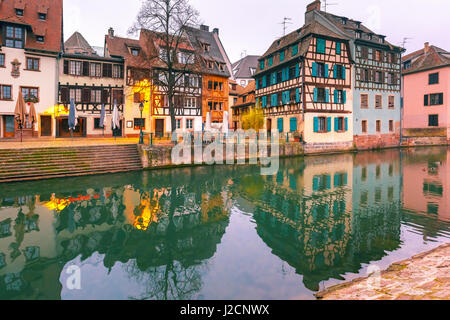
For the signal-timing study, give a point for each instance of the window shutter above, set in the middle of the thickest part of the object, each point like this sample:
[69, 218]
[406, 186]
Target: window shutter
[86, 95]
[297, 94]
[264, 81]
[315, 94]
[338, 48]
[293, 124]
[329, 124]
[336, 124]
[328, 182]
[280, 125]
[66, 66]
[316, 124]
[343, 72]
[335, 96]
[344, 96]
[257, 84]
[297, 70]
[314, 69]
[346, 124]
[425, 100]
[274, 78]
[441, 98]
[327, 95]
[64, 95]
[315, 184]
[326, 70]
[105, 96]
[86, 69]
[335, 71]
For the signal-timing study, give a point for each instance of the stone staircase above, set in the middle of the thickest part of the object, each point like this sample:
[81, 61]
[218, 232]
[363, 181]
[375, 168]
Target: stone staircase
[46, 163]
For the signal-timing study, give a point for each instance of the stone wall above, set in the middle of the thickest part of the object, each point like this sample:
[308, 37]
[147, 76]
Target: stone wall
[379, 141]
[424, 137]
[314, 148]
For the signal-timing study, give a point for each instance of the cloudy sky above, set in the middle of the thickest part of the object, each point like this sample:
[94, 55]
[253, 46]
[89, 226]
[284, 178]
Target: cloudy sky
[250, 26]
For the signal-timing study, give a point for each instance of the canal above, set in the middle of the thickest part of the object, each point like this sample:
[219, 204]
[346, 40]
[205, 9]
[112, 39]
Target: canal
[222, 232]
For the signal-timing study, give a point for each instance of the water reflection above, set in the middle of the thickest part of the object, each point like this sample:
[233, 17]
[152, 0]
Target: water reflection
[158, 233]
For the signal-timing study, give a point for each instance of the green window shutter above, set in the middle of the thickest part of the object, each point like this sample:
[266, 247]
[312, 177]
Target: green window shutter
[344, 97]
[274, 78]
[297, 94]
[316, 124]
[314, 69]
[329, 124]
[257, 84]
[336, 124]
[321, 46]
[280, 125]
[346, 124]
[264, 82]
[343, 72]
[293, 124]
[315, 94]
[326, 70]
[261, 65]
[338, 48]
[287, 74]
[281, 55]
[327, 95]
[295, 49]
[335, 96]
[315, 184]
[270, 61]
[297, 70]
[328, 182]
[425, 100]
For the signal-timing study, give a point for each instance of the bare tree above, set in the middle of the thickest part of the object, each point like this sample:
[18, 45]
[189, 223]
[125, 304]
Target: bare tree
[166, 21]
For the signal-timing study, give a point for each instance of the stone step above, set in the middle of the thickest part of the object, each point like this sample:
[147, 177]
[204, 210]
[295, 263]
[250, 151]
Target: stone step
[65, 152]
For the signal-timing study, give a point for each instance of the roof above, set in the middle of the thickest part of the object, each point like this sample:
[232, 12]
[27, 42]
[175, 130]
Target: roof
[77, 44]
[429, 57]
[51, 28]
[242, 68]
[118, 47]
[249, 93]
[198, 37]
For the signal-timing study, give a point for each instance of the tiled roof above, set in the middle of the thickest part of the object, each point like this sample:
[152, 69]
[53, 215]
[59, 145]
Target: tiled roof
[78, 44]
[51, 28]
[242, 68]
[120, 47]
[425, 59]
[249, 93]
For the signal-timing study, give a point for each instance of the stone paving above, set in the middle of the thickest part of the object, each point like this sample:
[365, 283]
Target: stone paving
[423, 277]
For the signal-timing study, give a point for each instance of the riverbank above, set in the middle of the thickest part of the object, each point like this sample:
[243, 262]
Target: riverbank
[423, 277]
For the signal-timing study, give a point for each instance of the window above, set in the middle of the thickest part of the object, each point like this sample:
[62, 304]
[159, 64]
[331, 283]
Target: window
[364, 53]
[391, 103]
[321, 183]
[97, 124]
[364, 101]
[33, 64]
[378, 56]
[339, 124]
[321, 43]
[321, 96]
[75, 68]
[42, 16]
[378, 102]
[221, 86]
[75, 94]
[19, 12]
[391, 125]
[322, 127]
[5, 92]
[185, 58]
[339, 96]
[321, 72]
[2, 60]
[178, 123]
[189, 123]
[358, 34]
[433, 78]
[216, 84]
[261, 64]
[135, 52]
[379, 77]
[392, 58]
[107, 70]
[190, 102]
[96, 96]
[95, 70]
[282, 55]
[378, 123]
[40, 39]
[434, 99]
[138, 122]
[14, 37]
[364, 75]
[407, 65]
[30, 94]
[433, 120]
[294, 49]
[117, 71]
[270, 61]
[339, 71]
[391, 78]
[364, 126]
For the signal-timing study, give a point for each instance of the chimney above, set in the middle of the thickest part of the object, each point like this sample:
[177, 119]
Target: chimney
[427, 47]
[204, 28]
[309, 15]
[111, 33]
[216, 31]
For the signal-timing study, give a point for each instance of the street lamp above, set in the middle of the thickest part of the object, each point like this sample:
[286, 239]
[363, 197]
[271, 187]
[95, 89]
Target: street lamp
[141, 135]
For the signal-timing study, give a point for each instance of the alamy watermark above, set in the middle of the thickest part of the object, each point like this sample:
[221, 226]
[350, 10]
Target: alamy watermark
[236, 147]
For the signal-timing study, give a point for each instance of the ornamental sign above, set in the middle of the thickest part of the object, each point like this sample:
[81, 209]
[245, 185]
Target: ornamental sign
[15, 72]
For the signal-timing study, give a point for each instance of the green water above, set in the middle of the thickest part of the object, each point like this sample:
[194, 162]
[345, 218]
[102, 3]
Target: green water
[223, 232]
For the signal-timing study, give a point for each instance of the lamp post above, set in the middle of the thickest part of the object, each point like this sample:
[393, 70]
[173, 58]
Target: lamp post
[141, 134]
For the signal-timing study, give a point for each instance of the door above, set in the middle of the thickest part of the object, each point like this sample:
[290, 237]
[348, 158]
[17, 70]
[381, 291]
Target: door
[46, 126]
[159, 127]
[269, 126]
[63, 128]
[118, 131]
[9, 127]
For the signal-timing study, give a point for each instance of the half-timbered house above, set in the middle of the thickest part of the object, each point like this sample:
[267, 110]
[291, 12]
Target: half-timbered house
[91, 81]
[304, 84]
[245, 101]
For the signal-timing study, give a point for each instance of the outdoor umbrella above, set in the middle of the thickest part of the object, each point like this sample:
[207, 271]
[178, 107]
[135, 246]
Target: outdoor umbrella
[73, 121]
[20, 113]
[226, 121]
[32, 117]
[115, 117]
[102, 118]
[208, 122]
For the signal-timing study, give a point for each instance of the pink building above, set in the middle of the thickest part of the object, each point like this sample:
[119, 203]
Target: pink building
[426, 88]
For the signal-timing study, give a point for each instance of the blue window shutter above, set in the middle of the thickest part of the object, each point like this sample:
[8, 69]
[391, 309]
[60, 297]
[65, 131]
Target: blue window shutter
[343, 72]
[262, 65]
[328, 182]
[338, 48]
[314, 69]
[315, 184]
[344, 96]
[316, 124]
[335, 96]
[327, 95]
[335, 71]
[297, 70]
[321, 46]
[336, 124]
[274, 78]
[280, 124]
[326, 70]
[257, 84]
[293, 124]
[297, 94]
[287, 73]
[346, 124]
[329, 124]
[264, 81]
[315, 94]
[283, 95]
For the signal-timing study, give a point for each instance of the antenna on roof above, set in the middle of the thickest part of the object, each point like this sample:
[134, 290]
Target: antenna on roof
[326, 4]
[285, 22]
[405, 41]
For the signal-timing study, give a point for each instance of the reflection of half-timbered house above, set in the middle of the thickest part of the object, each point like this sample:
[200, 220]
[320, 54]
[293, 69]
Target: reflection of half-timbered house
[376, 84]
[304, 85]
[91, 81]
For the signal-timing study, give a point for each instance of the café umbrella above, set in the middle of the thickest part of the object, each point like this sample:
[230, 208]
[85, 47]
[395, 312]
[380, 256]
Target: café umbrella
[115, 117]
[102, 118]
[73, 117]
[32, 117]
[20, 113]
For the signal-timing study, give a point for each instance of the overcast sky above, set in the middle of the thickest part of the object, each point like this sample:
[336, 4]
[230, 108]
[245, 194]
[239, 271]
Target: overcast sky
[251, 25]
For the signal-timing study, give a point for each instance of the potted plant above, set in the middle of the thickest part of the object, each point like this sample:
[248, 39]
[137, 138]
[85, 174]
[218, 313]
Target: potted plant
[296, 136]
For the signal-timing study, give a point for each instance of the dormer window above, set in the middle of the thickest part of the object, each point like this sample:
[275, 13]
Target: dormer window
[381, 40]
[358, 34]
[42, 16]
[206, 47]
[407, 65]
[40, 39]
[252, 71]
[19, 12]
[344, 21]
[15, 37]
[135, 52]
[222, 67]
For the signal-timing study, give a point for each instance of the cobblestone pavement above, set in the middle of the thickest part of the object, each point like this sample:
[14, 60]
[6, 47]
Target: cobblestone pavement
[423, 277]
[64, 142]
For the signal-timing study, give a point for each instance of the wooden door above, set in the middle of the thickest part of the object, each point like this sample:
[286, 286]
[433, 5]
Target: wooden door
[9, 126]
[269, 126]
[46, 126]
[159, 127]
